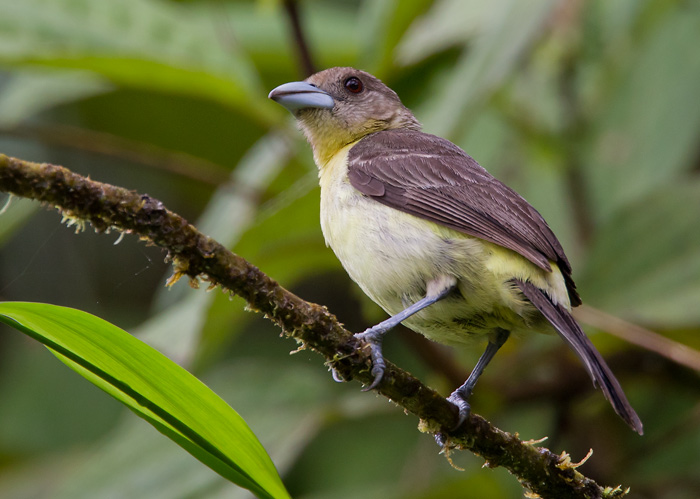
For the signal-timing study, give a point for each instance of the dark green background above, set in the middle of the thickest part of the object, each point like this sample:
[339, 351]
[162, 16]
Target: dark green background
[589, 109]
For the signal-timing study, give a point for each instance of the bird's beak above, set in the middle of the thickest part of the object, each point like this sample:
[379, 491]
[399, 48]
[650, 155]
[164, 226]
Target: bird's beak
[298, 95]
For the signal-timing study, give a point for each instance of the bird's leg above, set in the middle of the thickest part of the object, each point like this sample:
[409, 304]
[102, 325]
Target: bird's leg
[437, 289]
[460, 397]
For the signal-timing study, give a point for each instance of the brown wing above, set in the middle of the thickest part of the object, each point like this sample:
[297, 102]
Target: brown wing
[577, 340]
[431, 178]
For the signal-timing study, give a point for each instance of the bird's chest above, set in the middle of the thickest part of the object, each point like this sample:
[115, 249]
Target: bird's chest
[376, 244]
[371, 240]
[390, 254]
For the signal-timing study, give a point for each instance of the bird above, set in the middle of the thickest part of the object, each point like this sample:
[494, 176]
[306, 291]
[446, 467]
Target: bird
[430, 236]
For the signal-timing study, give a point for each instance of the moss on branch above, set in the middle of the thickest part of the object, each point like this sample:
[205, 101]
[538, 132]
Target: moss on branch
[197, 256]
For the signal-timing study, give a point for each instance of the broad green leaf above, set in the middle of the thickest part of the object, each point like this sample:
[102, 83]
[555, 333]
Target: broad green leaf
[448, 23]
[30, 92]
[647, 132]
[141, 43]
[135, 461]
[383, 24]
[487, 64]
[167, 396]
[645, 261]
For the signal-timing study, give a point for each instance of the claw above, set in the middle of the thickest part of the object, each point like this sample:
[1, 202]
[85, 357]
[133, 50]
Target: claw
[336, 376]
[374, 338]
[458, 399]
[440, 439]
[436, 290]
[378, 373]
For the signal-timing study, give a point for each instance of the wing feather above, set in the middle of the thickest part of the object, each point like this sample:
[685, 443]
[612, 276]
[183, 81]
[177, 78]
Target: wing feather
[573, 335]
[431, 178]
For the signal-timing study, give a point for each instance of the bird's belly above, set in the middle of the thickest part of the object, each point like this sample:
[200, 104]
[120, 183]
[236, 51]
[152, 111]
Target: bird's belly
[392, 256]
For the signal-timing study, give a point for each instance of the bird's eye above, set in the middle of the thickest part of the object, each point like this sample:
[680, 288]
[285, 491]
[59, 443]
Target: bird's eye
[354, 85]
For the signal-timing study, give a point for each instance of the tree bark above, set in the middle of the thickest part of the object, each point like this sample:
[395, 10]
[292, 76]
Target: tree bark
[199, 257]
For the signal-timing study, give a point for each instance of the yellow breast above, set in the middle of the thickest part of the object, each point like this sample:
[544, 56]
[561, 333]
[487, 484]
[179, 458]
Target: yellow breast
[391, 255]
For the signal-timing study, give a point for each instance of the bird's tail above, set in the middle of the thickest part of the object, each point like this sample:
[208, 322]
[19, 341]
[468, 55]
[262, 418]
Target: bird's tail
[573, 335]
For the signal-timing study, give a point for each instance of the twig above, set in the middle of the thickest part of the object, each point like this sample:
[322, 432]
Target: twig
[574, 126]
[302, 48]
[199, 257]
[639, 336]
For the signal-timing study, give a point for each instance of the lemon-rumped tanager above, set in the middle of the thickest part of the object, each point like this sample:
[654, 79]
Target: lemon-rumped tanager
[429, 235]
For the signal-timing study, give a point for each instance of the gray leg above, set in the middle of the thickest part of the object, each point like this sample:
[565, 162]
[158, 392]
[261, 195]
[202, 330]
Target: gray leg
[375, 334]
[460, 397]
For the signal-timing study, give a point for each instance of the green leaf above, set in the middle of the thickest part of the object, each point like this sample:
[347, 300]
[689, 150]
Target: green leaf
[489, 62]
[383, 23]
[138, 43]
[448, 23]
[647, 131]
[643, 263]
[30, 92]
[171, 399]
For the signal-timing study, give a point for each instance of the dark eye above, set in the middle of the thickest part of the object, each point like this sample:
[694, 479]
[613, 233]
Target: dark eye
[354, 85]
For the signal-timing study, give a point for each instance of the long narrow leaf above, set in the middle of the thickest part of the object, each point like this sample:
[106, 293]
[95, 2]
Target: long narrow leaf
[171, 399]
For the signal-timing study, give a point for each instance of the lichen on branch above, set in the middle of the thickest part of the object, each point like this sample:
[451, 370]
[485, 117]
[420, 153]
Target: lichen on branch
[107, 207]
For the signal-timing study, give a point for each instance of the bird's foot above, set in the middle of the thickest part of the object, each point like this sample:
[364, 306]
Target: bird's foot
[461, 401]
[373, 336]
[336, 376]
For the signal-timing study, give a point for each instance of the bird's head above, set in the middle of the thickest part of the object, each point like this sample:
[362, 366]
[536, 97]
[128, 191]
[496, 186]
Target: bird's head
[339, 106]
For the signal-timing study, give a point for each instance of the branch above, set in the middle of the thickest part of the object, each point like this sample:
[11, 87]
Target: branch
[199, 257]
[303, 52]
[637, 335]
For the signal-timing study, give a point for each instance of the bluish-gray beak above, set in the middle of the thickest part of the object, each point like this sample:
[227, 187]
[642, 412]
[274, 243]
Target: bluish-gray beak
[298, 95]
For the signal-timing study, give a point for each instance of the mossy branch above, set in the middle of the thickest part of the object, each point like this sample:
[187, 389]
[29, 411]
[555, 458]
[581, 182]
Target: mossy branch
[197, 256]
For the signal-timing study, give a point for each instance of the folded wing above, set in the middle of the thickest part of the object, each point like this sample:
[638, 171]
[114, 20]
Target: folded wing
[431, 178]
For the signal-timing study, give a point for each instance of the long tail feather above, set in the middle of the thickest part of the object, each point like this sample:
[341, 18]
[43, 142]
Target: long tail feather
[573, 335]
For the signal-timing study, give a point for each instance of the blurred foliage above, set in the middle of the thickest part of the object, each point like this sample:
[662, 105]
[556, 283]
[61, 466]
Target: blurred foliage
[588, 108]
